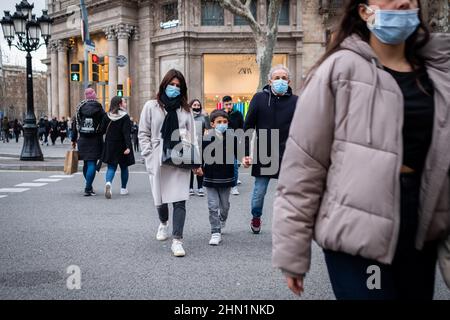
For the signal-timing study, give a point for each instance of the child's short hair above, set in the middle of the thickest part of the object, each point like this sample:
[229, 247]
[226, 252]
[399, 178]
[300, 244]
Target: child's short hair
[218, 113]
[227, 98]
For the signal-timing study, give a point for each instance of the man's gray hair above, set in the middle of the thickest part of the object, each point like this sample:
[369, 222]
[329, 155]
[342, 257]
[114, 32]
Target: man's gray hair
[276, 68]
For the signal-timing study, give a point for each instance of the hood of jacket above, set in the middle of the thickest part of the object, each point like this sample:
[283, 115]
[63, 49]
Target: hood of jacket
[116, 116]
[268, 90]
[436, 54]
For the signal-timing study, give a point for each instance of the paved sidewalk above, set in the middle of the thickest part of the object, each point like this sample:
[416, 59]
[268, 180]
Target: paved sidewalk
[53, 157]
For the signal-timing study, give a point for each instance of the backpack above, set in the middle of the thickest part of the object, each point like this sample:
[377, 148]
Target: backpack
[86, 124]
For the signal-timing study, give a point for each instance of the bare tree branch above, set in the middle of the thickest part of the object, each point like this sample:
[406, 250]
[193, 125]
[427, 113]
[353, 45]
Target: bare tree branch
[243, 10]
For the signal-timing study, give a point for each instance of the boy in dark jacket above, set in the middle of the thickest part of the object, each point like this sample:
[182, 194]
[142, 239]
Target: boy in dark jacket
[218, 172]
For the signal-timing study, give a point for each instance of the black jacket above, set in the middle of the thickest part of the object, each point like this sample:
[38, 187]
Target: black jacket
[268, 111]
[117, 140]
[236, 120]
[89, 146]
[218, 175]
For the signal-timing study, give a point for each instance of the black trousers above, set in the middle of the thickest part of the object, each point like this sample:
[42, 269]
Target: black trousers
[179, 217]
[412, 272]
[199, 181]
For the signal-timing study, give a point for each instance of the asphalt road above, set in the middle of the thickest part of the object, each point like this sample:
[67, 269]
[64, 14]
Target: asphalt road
[50, 227]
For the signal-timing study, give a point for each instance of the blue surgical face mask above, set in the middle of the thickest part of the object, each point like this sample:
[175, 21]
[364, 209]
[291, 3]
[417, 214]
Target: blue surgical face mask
[222, 127]
[393, 26]
[172, 91]
[280, 86]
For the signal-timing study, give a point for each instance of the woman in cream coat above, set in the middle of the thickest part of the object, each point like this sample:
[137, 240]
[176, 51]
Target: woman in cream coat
[169, 184]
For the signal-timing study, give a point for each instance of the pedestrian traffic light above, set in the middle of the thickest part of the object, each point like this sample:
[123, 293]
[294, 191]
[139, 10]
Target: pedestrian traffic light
[75, 72]
[93, 67]
[120, 90]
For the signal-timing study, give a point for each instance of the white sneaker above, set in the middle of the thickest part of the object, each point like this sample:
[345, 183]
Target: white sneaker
[239, 182]
[163, 232]
[216, 238]
[108, 191]
[234, 191]
[191, 192]
[200, 192]
[177, 248]
[123, 191]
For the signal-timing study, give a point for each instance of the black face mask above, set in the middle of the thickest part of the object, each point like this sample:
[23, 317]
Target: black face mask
[197, 110]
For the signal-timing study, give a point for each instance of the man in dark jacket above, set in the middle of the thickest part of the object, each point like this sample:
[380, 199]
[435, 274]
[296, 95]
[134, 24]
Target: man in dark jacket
[86, 124]
[271, 109]
[236, 121]
[54, 130]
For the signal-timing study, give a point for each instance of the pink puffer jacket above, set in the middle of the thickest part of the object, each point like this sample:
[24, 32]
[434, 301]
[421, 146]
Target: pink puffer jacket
[339, 181]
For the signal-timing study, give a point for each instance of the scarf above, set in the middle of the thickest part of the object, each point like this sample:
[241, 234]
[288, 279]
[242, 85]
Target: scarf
[170, 123]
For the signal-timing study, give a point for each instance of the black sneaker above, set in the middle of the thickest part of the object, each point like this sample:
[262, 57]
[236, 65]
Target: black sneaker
[88, 193]
[255, 225]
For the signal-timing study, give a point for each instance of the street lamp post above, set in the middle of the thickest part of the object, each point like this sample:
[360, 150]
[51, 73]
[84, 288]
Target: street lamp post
[25, 30]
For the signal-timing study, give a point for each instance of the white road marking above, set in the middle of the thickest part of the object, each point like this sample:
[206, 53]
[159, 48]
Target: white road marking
[62, 177]
[47, 180]
[31, 184]
[3, 196]
[14, 190]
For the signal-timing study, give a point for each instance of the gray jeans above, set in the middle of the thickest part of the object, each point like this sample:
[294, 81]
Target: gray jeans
[179, 216]
[218, 205]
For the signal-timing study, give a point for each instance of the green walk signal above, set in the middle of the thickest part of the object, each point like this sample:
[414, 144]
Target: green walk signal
[74, 77]
[120, 90]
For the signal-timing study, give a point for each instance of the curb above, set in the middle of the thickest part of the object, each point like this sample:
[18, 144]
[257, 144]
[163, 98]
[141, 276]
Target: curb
[15, 156]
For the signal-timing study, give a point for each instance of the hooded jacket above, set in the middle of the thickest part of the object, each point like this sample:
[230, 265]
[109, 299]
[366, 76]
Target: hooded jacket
[268, 111]
[339, 181]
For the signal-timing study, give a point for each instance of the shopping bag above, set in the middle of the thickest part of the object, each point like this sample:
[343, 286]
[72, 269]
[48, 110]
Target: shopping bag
[71, 162]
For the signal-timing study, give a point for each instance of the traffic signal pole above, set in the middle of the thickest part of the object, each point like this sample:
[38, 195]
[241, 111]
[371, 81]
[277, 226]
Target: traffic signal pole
[86, 37]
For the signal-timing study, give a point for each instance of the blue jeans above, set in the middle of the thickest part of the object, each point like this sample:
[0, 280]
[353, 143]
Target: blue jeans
[89, 173]
[110, 173]
[259, 192]
[236, 173]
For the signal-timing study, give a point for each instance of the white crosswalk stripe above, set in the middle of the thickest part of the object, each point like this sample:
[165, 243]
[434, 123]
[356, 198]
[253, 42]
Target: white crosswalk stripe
[31, 184]
[61, 176]
[47, 180]
[3, 196]
[13, 190]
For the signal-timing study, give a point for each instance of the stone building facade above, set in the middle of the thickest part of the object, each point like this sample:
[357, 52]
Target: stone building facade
[212, 48]
[13, 92]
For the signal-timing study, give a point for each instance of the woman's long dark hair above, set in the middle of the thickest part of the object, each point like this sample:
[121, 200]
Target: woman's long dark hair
[170, 75]
[351, 23]
[114, 106]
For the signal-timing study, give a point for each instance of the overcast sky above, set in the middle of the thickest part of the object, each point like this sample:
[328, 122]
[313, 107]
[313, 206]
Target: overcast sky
[14, 56]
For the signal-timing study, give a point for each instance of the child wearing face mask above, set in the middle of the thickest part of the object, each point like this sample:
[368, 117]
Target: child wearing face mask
[218, 172]
[201, 127]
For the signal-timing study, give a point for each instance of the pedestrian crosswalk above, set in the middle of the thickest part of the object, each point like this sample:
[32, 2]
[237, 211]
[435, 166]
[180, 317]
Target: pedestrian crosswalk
[13, 190]
[31, 184]
[37, 183]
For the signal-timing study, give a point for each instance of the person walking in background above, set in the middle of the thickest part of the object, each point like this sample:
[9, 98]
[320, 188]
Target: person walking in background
[160, 118]
[270, 109]
[134, 135]
[17, 128]
[201, 126]
[41, 130]
[236, 121]
[88, 119]
[117, 149]
[54, 130]
[46, 129]
[218, 174]
[366, 168]
[5, 129]
[63, 125]
[69, 128]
